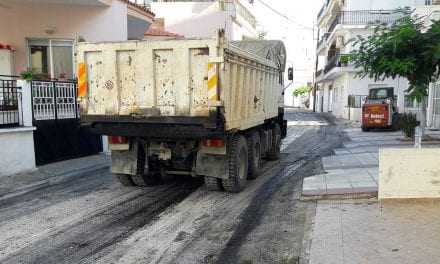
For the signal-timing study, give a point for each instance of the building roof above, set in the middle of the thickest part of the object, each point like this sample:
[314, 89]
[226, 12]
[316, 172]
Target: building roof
[140, 8]
[157, 32]
[6, 46]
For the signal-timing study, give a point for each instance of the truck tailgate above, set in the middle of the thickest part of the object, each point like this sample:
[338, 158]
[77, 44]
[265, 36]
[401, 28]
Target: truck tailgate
[146, 78]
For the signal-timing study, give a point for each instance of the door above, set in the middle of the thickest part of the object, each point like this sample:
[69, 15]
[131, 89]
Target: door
[330, 99]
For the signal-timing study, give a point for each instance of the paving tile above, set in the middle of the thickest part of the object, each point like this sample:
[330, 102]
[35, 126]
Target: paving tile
[353, 232]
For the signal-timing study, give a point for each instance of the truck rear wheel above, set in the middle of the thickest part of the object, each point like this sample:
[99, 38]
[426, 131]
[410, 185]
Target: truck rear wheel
[254, 154]
[213, 184]
[275, 148]
[125, 179]
[237, 165]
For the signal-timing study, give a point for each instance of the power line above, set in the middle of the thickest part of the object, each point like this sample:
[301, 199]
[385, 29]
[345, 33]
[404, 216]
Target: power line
[284, 16]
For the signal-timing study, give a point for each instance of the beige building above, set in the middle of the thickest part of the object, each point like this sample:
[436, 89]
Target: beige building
[43, 32]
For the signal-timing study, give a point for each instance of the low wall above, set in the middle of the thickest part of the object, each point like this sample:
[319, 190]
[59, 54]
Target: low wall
[16, 150]
[409, 173]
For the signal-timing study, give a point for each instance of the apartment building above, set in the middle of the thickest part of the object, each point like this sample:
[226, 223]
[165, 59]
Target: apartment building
[340, 22]
[202, 19]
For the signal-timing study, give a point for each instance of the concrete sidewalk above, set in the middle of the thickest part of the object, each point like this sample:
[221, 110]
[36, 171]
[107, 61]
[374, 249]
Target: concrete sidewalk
[365, 231]
[51, 173]
[354, 169]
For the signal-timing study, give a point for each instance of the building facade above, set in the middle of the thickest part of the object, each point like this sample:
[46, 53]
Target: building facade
[339, 89]
[202, 19]
[38, 118]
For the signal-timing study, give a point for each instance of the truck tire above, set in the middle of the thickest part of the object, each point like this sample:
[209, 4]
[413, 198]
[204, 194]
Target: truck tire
[365, 129]
[125, 180]
[237, 165]
[213, 184]
[275, 148]
[254, 154]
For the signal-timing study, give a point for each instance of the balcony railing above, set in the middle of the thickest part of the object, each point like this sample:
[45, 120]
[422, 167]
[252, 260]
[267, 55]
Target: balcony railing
[322, 40]
[10, 104]
[319, 73]
[339, 60]
[366, 17]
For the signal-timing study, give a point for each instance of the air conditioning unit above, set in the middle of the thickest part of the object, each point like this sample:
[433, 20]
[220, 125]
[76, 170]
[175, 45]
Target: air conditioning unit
[340, 42]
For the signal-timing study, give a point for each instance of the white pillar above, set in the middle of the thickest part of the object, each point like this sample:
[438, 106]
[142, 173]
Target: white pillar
[26, 102]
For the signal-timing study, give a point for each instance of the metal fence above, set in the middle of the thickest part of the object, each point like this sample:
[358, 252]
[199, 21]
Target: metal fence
[435, 122]
[366, 17]
[356, 101]
[52, 100]
[11, 114]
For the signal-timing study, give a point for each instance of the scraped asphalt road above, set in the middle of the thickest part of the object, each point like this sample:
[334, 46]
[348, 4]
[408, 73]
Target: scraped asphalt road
[93, 219]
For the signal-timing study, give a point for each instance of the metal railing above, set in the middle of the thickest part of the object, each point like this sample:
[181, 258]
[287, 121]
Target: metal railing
[319, 73]
[323, 40]
[53, 100]
[10, 104]
[366, 17]
[338, 60]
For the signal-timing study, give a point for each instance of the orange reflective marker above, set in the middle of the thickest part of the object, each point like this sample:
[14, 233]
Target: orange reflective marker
[82, 80]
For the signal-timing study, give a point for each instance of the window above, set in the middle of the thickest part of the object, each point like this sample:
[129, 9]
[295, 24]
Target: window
[51, 58]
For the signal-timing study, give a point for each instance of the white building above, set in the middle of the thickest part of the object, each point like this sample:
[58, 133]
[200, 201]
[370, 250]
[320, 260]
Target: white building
[202, 19]
[340, 22]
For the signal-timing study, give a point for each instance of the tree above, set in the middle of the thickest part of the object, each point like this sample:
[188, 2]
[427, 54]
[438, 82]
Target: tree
[303, 90]
[406, 48]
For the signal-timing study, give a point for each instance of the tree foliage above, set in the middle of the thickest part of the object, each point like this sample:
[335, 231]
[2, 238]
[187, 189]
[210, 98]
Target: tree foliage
[302, 90]
[406, 48]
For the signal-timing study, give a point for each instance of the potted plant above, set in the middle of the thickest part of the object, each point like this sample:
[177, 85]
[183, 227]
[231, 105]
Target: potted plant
[27, 75]
[408, 123]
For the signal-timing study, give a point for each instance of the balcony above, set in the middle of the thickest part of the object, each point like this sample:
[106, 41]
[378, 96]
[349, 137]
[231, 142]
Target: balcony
[323, 40]
[365, 18]
[339, 60]
[432, 2]
[324, 6]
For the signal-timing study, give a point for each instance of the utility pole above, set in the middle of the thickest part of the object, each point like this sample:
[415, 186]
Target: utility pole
[315, 86]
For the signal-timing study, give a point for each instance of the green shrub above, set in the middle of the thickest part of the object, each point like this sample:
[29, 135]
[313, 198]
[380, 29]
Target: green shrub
[407, 123]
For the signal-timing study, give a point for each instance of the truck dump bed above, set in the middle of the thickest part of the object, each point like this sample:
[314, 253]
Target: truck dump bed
[177, 81]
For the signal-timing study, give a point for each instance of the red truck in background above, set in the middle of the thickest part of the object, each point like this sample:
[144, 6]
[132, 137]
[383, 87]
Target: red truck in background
[380, 110]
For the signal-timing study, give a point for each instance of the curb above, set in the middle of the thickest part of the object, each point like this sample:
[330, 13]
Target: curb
[53, 179]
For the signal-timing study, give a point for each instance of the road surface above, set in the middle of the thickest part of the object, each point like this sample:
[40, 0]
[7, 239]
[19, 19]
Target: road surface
[93, 219]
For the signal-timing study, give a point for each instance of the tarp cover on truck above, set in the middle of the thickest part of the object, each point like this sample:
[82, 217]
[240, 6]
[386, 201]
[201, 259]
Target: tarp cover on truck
[273, 50]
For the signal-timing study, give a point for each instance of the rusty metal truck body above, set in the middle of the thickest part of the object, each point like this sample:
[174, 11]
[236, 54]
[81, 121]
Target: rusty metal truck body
[184, 107]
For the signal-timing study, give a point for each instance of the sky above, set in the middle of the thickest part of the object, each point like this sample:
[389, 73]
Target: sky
[296, 32]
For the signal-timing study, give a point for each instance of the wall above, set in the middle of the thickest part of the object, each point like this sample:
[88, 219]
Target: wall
[399, 178]
[17, 151]
[6, 62]
[94, 23]
[199, 20]
[17, 144]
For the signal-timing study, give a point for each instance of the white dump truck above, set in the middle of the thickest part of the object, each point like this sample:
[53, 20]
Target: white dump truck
[200, 107]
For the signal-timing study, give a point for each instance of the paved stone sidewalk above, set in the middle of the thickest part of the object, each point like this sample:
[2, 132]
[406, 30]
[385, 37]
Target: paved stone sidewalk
[365, 231]
[354, 169]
